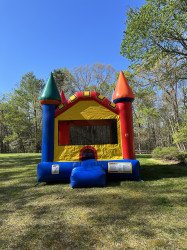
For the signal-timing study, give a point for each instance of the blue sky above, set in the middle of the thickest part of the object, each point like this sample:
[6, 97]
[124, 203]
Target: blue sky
[42, 35]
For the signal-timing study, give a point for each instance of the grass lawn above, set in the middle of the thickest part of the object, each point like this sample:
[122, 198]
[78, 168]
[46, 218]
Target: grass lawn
[125, 215]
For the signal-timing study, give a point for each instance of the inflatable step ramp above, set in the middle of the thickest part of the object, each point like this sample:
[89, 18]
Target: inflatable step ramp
[89, 174]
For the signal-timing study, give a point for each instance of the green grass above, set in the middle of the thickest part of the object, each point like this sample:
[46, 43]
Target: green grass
[125, 215]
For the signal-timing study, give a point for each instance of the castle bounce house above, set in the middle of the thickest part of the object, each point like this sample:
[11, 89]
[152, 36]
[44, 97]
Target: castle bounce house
[87, 139]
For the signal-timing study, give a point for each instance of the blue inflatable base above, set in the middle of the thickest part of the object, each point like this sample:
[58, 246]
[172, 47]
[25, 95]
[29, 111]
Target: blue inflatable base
[89, 172]
[86, 176]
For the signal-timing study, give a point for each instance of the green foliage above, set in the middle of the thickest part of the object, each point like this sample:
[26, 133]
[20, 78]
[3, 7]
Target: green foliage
[22, 115]
[104, 88]
[156, 43]
[156, 29]
[168, 153]
[4, 147]
[65, 81]
[181, 134]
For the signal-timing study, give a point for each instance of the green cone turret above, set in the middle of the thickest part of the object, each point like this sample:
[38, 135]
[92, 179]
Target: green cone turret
[50, 94]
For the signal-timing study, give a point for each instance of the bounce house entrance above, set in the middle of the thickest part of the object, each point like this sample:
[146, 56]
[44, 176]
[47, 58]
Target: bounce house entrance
[88, 153]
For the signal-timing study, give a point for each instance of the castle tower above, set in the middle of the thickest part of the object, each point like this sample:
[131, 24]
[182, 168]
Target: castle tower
[49, 99]
[123, 97]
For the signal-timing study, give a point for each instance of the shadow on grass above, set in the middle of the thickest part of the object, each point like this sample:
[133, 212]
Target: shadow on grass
[17, 194]
[156, 172]
[10, 175]
[110, 218]
[18, 161]
[113, 183]
[112, 214]
[58, 235]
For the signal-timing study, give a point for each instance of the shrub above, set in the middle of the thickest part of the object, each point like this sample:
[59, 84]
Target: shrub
[169, 153]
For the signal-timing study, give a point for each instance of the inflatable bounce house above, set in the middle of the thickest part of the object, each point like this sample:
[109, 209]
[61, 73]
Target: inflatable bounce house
[87, 139]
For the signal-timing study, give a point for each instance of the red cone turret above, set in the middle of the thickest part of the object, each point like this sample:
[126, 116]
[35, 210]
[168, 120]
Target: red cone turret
[122, 90]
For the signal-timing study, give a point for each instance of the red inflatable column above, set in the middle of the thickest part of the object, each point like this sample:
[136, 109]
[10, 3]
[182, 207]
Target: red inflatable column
[123, 97]
[127, 135]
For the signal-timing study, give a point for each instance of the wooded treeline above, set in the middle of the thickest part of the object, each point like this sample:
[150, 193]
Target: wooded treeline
[20, 111]
[155, 40]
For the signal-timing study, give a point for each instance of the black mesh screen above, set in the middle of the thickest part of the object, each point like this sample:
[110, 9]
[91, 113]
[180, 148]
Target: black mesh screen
[92, 132]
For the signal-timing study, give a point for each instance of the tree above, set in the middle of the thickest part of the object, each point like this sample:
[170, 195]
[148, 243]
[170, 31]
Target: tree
[181, 135]
[165, 78]
[155, 41]
[65, 81]
[4, 146]
[22, 115]
[98, 77]
[155, 30]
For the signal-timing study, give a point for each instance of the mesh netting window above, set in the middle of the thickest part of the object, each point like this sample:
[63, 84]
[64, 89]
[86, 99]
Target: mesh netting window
[90, 132]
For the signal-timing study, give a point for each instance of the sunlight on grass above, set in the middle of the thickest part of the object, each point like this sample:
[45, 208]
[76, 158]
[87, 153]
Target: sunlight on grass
[124, 215]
